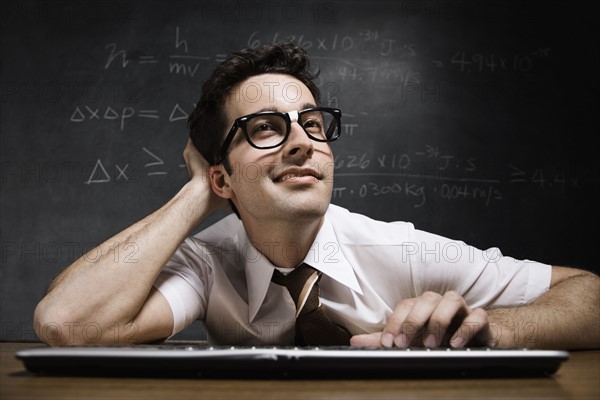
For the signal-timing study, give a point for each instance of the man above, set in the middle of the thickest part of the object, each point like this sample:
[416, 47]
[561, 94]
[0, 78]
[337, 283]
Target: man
[265, 152]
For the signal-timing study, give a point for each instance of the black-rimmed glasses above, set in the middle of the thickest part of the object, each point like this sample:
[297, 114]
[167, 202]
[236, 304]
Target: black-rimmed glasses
[270, 129]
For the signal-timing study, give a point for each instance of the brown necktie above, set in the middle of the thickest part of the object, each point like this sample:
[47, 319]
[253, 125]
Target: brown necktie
[313, 326]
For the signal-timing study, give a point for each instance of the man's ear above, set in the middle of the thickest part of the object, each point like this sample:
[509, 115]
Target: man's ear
[219, 181]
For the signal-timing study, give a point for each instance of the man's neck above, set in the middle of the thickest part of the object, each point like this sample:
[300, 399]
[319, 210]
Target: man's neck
[285, 243]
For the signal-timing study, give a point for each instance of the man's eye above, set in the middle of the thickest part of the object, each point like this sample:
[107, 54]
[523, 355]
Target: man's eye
[313, 126]
[264, 128]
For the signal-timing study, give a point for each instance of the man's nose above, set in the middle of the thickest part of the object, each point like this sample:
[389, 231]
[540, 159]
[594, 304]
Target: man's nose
[298, 142]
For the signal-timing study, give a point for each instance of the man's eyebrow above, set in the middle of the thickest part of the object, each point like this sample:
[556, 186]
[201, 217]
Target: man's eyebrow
[302, 107]
[307, 105]
[268, 109]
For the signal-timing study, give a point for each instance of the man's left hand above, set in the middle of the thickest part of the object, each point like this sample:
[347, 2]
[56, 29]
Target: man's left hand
[431, 320]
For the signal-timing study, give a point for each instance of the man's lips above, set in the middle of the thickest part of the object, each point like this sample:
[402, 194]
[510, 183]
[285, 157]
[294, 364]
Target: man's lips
[297, 175]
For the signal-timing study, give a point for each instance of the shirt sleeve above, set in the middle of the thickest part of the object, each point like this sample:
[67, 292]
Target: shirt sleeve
[184, 281]
[484, 278]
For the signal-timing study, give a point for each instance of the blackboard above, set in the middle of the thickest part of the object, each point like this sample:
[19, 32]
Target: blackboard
[474, 120]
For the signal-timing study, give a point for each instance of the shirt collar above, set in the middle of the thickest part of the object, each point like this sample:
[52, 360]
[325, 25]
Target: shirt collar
[259, 271]
[325, 255]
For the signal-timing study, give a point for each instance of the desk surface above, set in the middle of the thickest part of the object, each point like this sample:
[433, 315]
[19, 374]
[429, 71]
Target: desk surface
[578, 378]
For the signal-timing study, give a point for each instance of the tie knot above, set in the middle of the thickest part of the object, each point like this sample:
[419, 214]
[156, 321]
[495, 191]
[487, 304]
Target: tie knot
[297, 277]
[313, 325]
[302, 285]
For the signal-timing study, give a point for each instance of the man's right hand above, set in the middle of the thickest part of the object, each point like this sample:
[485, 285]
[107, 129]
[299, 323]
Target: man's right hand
[196, 165]
[198, 170]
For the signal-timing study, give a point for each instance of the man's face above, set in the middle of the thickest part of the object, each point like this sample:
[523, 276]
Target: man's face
[291, 182]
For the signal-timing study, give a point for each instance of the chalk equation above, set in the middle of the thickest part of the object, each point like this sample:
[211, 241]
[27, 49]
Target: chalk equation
[364, 56]
[373, 40]
[431, 172]
[181, 62]
[417, 194]
[120, 115]
[154, 165]
[479, 62]
[346, 49]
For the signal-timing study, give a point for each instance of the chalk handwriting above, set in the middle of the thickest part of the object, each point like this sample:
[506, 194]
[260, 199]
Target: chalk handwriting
[87, 113]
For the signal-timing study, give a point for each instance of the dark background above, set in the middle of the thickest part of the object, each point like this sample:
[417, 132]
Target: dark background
[473, 120]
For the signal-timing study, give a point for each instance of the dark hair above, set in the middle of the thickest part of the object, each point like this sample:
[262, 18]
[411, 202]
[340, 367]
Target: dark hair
[207, 123]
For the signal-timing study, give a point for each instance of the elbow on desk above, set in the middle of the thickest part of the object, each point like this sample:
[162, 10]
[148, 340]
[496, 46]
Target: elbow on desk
[47, 325]
[58, 326]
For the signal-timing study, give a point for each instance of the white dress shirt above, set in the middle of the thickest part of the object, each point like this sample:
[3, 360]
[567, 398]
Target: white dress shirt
[368, 266]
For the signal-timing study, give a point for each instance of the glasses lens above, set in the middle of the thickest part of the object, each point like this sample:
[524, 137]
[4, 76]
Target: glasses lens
[321, 125]
[269, 130]
[266, 130]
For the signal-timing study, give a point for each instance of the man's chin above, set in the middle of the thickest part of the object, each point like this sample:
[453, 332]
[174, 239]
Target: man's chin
[300, 208]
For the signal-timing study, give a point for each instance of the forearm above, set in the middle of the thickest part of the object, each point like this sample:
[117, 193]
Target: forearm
[108, 285]
[565, 317]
